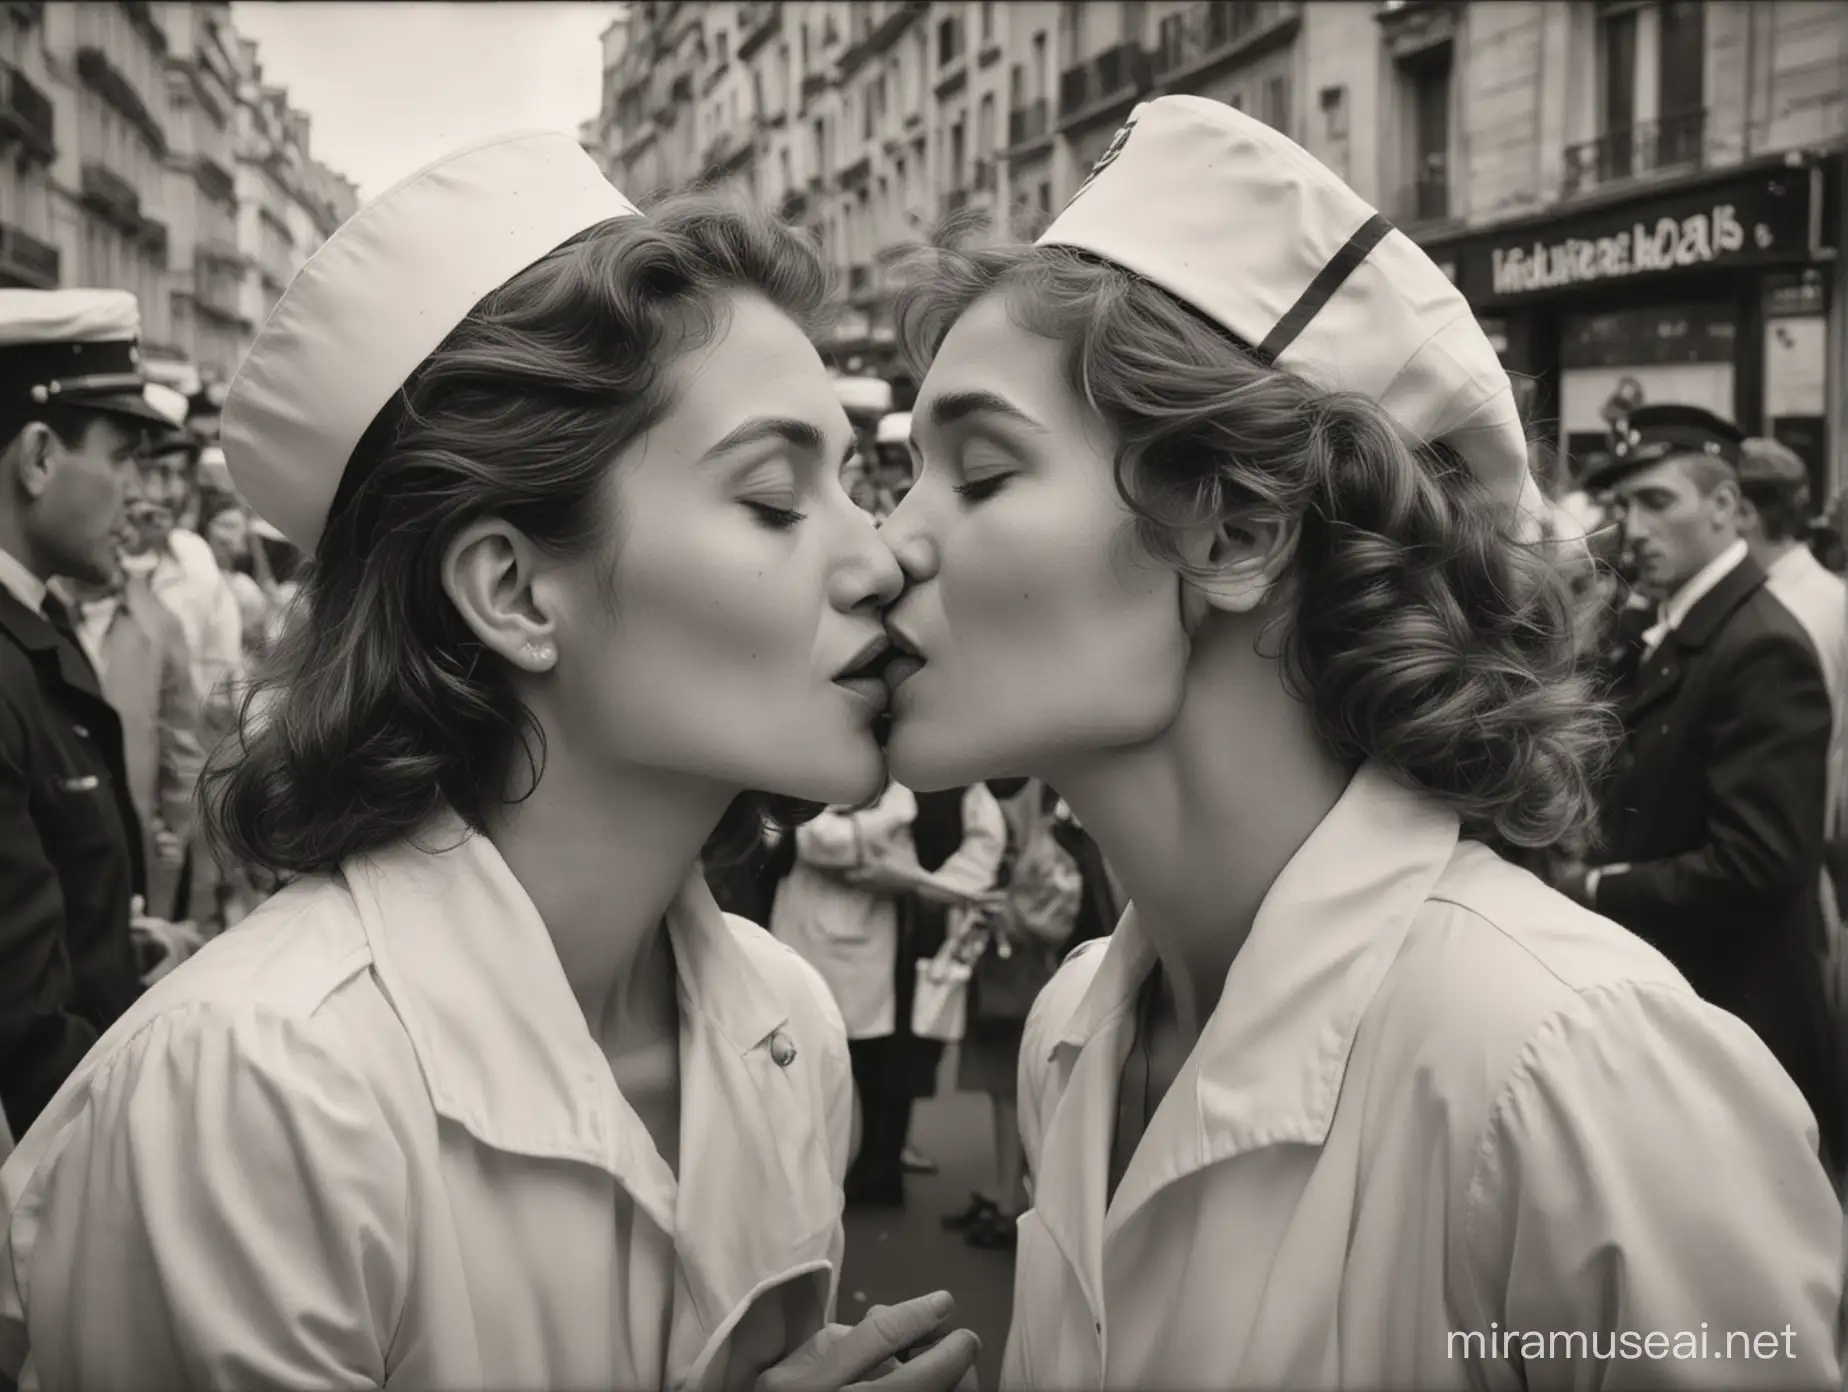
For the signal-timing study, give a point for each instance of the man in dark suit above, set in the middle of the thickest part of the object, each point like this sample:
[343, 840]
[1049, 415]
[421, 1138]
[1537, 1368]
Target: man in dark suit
[72, 415]
[1713, 818]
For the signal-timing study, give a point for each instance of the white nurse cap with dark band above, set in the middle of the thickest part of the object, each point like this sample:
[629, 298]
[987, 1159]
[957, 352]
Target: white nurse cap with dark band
[379, 297]
[1248, 228]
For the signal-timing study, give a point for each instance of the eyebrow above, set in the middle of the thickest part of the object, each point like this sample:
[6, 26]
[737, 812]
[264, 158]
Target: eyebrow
[952, 407]
[786, 428]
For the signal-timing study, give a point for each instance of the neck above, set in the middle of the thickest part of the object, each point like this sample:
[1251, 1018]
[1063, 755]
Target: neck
[1768, 552]
[15, 542]
[1199, 822]
[602, 853]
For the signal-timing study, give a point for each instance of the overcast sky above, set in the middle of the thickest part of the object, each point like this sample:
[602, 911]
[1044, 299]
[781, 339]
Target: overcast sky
[391, 86]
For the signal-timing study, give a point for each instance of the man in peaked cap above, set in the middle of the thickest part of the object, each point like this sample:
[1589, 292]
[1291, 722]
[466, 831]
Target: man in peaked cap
[72, 419]
[1713, 819]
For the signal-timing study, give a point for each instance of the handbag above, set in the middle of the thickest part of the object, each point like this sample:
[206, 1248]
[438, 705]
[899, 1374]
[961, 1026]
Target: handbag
[940, 1006]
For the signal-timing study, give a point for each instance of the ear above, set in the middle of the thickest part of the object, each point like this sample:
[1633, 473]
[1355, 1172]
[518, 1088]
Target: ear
[1237, 562]
[33, 458]
[498, 581]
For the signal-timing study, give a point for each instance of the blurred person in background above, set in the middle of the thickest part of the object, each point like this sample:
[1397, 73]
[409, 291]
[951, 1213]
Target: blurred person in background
[139, 651]
[960, 837]
[1713, 817]
[1016, 949]
[71, 862]
[839, 909]
[225, 523]
[183, 574]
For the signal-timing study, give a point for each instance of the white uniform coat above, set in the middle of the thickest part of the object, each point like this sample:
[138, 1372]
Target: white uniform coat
[367, 1139]
[1435, 1099]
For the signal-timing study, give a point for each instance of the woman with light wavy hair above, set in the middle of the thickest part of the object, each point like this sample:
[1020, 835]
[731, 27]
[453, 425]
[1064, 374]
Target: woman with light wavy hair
[1225, 528]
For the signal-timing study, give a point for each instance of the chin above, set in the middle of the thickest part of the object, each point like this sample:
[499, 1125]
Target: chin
[845, 773]
[929, 758]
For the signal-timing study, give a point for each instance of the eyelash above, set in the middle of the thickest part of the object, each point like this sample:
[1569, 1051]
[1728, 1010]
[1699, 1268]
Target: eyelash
[978, 489]
[776, 518]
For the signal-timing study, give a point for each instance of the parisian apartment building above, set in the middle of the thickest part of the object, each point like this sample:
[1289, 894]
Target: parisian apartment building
[1635, 195]
[141, 149]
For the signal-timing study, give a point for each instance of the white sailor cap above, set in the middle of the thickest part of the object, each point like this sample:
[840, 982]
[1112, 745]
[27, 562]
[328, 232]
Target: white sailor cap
[379, 297]
[73, 348]
[1243, 224]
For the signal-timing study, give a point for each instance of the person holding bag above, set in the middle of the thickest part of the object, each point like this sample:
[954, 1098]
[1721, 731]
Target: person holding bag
[1014, 950]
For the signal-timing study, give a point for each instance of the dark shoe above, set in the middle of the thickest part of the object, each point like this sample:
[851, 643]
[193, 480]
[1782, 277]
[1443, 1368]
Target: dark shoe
[917, 1162]
[978, 1209]
[993, 1232]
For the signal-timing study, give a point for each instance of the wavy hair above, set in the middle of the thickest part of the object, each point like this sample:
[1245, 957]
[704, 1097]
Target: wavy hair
[1423, 633]
[380, 706]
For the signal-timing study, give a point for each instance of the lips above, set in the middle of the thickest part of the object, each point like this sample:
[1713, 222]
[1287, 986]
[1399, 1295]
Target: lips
[903, 662]
[867, 662]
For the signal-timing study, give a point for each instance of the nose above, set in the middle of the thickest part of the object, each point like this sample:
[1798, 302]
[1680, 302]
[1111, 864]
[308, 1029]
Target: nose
[905, 533]
[869, 577]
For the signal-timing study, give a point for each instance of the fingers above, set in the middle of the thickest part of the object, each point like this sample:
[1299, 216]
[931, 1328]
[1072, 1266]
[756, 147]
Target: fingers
[941, 1368]
[886, 1331]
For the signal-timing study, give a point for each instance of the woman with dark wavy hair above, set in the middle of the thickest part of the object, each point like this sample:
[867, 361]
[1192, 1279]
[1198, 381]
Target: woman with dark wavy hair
[491, 1094]
[1224, 528]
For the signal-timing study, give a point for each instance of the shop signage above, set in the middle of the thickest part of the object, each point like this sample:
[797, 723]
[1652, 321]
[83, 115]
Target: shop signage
[1751, 220]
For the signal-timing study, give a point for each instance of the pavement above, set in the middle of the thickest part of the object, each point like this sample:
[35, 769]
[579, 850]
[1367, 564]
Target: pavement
[894, 1254]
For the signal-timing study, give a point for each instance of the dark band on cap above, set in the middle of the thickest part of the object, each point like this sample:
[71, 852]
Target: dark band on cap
[1322, 289]
[40, 373]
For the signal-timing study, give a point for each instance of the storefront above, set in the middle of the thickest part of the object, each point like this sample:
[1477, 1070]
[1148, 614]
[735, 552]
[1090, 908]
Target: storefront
[1714, 292]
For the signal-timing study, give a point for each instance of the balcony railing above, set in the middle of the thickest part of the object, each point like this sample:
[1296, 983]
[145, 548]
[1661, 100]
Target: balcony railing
[108, 82]
[26, 113]
[1115, 74]
[1026, 124]
[1207, 30]
[27, 262]
[214, 180]
[984, 181]
[1674, 142]
[1427, 200]
[111, 195]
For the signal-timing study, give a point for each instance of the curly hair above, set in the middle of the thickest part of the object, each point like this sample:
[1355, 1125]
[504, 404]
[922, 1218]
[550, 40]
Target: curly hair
[380, 707]
[1424, 634]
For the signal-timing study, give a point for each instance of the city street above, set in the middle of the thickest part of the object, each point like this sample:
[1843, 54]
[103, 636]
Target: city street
[893, 1254]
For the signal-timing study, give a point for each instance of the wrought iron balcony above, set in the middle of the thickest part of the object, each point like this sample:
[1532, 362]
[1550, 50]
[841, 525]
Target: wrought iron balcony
[1674, 142]
[27, 262]
[1025, 124]
[26, 113]
[1116, 74]
[109, 194]
[1207, 31]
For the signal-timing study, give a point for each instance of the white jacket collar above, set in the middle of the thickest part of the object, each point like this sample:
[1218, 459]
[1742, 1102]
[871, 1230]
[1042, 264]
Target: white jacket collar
[501, 1038]
[1269, 1063]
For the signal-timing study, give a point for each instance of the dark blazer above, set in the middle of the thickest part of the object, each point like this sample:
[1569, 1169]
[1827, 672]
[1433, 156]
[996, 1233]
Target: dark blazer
[1716, 805]
[70, 858]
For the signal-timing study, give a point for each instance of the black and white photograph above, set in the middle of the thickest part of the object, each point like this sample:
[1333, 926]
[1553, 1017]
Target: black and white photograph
[924, 695]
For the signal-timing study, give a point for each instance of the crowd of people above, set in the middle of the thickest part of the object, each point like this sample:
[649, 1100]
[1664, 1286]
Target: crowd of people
[1382, 901]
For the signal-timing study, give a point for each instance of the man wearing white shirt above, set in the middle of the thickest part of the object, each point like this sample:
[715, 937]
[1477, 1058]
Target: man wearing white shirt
[1713, 821]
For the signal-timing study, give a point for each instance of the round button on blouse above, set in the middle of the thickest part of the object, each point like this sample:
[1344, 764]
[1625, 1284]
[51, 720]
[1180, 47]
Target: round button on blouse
[782, 1051]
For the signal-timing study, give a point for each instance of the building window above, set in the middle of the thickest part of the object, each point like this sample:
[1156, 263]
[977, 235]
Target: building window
[1681, 45]
[1426, 77]
[1045, 196]
[1071, 34]
[1277, 104]
[1617, 58]
[985, 127]
[988, 21]
[1334, 112]
[1036, 76]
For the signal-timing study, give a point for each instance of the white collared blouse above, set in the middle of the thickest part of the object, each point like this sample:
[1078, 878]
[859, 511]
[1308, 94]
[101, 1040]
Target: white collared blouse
[367, 1139]
[1439, 1110]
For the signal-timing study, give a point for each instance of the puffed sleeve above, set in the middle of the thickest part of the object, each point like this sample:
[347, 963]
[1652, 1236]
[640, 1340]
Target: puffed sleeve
[228, 1209]
[1646, 1202]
